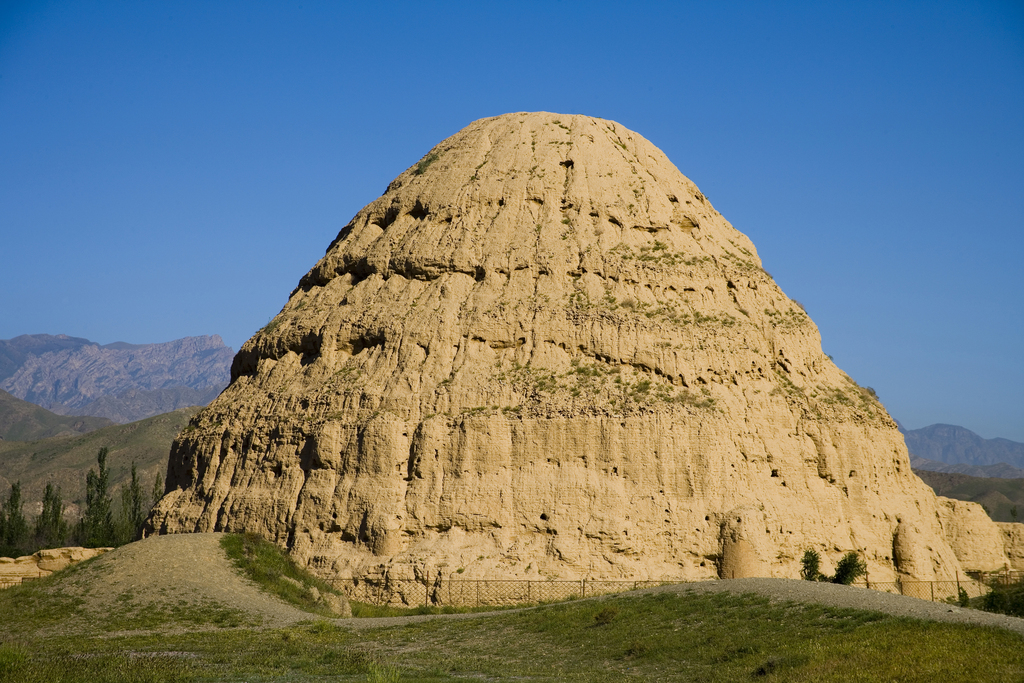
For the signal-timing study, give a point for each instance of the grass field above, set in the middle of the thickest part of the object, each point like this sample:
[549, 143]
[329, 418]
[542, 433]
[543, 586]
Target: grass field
[660, 637]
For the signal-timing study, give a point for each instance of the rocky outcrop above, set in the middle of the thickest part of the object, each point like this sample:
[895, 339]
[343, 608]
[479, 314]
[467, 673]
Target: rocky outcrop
[119, 381]
[974, 537]
[543, 353]
[43, 563]
[1013, 543]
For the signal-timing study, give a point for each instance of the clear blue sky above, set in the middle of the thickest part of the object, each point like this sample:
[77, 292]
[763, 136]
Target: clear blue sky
[173, 168]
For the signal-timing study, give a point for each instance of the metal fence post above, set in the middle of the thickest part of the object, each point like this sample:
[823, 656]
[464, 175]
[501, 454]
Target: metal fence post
[933, 591]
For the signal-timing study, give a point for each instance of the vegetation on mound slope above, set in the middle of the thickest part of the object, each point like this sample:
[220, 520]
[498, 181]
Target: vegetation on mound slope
[274, 571]
[666, 636]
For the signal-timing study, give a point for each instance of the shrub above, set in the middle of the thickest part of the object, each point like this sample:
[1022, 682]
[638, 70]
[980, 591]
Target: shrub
[1005, 600]
[849, 569]
[810, 566]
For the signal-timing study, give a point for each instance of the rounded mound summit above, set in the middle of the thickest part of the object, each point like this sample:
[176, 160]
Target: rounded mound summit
[542, 353]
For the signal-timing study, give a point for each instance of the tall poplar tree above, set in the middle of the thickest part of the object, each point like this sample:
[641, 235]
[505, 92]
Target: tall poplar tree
[132, 512]
[51, 529]
[96, 530]
[13, 527]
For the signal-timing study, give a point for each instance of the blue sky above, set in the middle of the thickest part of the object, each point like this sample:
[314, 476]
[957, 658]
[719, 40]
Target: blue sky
[173, 168]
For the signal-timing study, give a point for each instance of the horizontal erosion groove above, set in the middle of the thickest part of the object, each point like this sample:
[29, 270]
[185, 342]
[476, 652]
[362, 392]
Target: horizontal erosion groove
[428, 271]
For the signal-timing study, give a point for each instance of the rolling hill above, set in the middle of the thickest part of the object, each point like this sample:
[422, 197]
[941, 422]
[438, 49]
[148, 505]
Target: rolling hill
[24, 421]
[65, 460]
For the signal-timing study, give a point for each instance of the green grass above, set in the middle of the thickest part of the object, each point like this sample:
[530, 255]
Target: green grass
[270, 568]
[667, 636]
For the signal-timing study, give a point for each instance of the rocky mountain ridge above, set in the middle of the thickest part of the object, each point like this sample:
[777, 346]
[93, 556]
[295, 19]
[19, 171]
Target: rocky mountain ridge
[952, 445]
[543, 353]
[998, 471]
[122, 382]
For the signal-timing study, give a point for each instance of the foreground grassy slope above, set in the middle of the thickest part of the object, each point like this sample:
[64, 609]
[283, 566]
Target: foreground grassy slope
[999, 496]
[647, 637]
[65, 460]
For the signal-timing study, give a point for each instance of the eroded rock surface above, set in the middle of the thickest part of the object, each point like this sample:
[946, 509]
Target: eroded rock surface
[543, 353]
[43, 563]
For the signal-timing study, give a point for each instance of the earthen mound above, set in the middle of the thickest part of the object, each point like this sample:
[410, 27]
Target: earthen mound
[543, 353]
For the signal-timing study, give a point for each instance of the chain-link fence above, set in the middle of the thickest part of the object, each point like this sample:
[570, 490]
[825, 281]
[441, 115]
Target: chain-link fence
[503, 592]
[481, 592]
[935, 591]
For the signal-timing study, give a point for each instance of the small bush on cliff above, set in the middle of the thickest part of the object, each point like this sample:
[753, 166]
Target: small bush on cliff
[849, 569]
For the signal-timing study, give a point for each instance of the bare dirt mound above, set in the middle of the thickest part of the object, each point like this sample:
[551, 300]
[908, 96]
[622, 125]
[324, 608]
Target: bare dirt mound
[168, 582]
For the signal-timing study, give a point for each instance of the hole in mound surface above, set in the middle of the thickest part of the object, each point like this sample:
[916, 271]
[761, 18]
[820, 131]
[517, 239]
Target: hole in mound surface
[418, 211]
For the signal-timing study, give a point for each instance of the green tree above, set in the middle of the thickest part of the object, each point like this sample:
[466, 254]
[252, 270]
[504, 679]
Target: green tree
[810, 565]
[96, 530]
[13, 527]
[51, 529]
[849, 569]
[158, 488]
[132, 512]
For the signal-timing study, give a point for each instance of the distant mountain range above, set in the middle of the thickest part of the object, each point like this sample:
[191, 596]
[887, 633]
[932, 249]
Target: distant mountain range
[121, 382]
[999, 471]
[951, 445]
